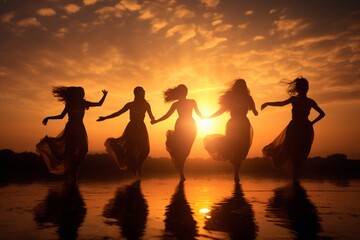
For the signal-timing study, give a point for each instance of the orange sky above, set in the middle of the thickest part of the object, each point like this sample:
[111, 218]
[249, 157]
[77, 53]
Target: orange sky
[205, 44]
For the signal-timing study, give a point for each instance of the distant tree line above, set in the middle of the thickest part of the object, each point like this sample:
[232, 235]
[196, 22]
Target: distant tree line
[28, 166]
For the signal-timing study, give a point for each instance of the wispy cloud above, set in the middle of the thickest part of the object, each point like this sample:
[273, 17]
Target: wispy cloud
[289, 27]
[210, 3]
[72, 8]
[185, 31]
[46, 12]
[89, 2]
[7, 17]
[28, 22]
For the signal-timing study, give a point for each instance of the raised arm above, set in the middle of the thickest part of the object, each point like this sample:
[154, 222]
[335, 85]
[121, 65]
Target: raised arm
[115, 114]
[277, 104]
[60, 116]
[253, 107]
[319, 110]
[167, 115]
[97, 104]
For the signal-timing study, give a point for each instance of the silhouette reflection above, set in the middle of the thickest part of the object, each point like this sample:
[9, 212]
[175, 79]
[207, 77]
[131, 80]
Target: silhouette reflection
[233, 215]
[179, 222]
[129, 209]
[292, 209]
[63, 207]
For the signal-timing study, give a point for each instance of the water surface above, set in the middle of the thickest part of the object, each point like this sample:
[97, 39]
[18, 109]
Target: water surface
[211, 207]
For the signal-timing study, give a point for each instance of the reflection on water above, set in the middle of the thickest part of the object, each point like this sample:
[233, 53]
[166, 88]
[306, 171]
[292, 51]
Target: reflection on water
[291, 208]
[64, 208]
[233, 215]
[129, 210]
[179, 221]
[210, 207]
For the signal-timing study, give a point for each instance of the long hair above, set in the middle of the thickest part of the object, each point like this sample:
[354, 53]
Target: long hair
[139, 94]
[173, 94]
[297, 86]
[68, 94]
[237, 92]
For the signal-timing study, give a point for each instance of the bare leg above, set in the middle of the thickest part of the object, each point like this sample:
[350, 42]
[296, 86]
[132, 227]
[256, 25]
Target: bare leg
[180, 168]
[236, 165]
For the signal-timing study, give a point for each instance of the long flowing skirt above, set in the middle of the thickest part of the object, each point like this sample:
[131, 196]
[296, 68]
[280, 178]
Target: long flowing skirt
[291, 148]
[64, 153]
[180, 140]
[131, 149]
[235, 145]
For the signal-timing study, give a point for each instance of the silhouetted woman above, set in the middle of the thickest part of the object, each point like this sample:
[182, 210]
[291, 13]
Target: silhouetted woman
[292, 147]
[64, 153]
[132, 148]
[235, 145]
[180, 140]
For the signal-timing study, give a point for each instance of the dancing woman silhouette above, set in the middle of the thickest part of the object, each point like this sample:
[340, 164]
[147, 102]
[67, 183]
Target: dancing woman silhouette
[132, 148]
[291, 148]
[235, 145]
[180, 140]
[64, 153]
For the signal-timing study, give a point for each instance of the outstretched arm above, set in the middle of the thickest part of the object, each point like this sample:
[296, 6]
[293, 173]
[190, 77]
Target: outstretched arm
[60, 116]
[148, 110]
[167, 115]
[277, 104]
[115, 114]
[319, 110]
[196, 109]
[217, 113]
[97, 104]
[253, 107]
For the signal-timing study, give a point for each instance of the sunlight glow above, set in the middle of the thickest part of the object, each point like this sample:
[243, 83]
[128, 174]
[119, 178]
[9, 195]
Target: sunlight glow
[205, 126]
[204, 210]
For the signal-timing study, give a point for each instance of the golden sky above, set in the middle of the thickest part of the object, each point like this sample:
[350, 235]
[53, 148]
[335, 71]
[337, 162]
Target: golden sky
[205, 44]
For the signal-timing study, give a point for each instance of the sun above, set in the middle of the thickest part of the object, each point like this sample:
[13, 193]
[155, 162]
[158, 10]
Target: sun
[205, 126]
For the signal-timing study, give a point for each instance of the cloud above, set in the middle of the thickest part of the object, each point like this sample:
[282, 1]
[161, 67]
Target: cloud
[158, 23]
[289, 27]
[61, 32]
[223, 27]
[210, 3]
[216, 22]
[243, 26]
[186, 32]
[131, 5]
[272, 11]
[89, 2]
[249, 12]
[72, 8]
[258, 38]
[146, 14]
[7, 17]
[28, 22]
[46, 12]
[212, 42]
[182, 12]
[107, 12]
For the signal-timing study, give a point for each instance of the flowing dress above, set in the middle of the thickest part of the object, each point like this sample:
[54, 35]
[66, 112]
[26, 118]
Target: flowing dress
[235, 145]
[64, 153]
[131, 149]
[291, 148]
[180, 140]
